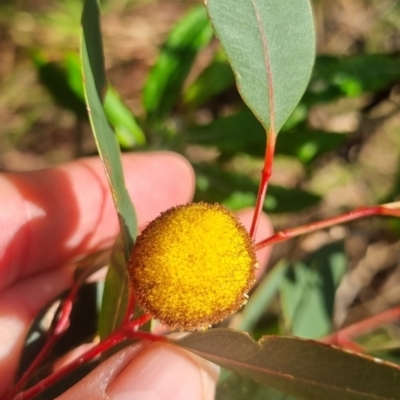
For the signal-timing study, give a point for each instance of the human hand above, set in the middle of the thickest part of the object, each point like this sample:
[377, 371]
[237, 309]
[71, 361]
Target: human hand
[50, 218]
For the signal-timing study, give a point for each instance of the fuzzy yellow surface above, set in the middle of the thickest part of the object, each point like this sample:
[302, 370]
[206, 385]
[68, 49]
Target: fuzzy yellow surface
[193, 265]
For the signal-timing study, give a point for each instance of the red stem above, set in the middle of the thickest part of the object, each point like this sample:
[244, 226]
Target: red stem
[130, 307]
[346, 334]
[60, 327]
[265, 176]
[392, 209]
[125, 332]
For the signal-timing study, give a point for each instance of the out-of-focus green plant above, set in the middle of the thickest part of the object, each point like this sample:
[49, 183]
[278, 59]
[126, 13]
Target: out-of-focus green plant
[273, 102]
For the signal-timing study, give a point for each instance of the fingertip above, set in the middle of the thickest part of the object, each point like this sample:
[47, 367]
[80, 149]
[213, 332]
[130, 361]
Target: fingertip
[163, 371]
[265, 229]
[169, 180]
[59, 214]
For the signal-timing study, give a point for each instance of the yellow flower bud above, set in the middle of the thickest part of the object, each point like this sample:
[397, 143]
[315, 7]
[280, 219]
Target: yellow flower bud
[193, 266]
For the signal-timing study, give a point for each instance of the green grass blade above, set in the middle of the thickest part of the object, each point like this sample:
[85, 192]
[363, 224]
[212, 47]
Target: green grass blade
[115, 294]
[127, 129]
[177, 55]
[94, 83]
[93, 71]
[262, 297]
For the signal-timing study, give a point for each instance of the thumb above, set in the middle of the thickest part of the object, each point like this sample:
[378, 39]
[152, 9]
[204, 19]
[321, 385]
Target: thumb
[156, 371]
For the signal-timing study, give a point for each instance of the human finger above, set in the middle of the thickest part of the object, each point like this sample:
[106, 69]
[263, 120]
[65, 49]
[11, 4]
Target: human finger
[52, 216]
[19, 305]
[149, 371]
[265, 229]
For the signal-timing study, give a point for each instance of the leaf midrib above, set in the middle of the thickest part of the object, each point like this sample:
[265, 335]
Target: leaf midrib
[271, 95]
[281, 375]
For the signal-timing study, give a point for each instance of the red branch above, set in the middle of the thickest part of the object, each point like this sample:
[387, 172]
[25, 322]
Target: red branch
[61, 325]
[125, 332]
[130, 308]
[344, 336]
[392, 209]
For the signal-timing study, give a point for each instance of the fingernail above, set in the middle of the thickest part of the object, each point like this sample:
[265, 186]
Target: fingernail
[164, 372]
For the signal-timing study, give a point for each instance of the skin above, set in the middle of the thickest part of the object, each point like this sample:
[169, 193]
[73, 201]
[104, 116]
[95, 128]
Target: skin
[52, 217]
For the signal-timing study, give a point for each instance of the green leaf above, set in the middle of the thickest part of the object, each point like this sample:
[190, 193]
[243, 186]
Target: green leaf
[126, 128]
[164, 84]
[271, 47]
[303, 368]
[336, 77]
[262, 297]
[73, 68]
[237, 387]
[55, 79]
[216, 78]
[94, 81]
[92, 51]
[307, 293]
[239, 191]
[299, 115]
[116, 291]
[306, 144]
[242, 132]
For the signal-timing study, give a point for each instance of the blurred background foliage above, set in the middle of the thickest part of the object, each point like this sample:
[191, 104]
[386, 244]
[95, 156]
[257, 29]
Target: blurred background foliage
[172, 88]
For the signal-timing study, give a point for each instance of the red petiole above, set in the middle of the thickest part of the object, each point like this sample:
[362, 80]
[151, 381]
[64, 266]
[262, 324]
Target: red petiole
[265, 176]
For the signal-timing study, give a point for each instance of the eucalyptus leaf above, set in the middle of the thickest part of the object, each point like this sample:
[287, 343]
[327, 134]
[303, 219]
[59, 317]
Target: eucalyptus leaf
[94, 83]
[302, 368]
[116, 292]
[127, 129]
[271, 47]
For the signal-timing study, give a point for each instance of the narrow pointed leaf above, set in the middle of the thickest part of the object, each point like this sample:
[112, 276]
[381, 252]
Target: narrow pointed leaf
[126, 127]
[271, 47]
[302, 368]
[94, 84]
[336, 77]
[308, 291]
[116, 292]
[94, 81]
[177, 55]
[216, 78]
[262, 297]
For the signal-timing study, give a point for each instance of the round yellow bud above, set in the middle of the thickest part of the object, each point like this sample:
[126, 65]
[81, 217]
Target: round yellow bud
[193, 266]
